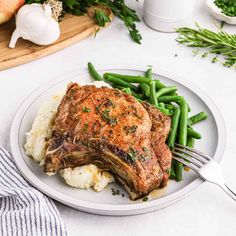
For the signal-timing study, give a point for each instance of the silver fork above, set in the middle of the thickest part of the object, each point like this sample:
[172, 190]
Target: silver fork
[203, 164]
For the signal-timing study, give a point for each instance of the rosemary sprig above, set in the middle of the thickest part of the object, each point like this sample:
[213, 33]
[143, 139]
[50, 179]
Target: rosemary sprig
[220, 43]
[118, 7]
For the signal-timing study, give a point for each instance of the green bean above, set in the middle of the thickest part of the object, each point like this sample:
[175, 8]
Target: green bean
[183, 122]
[129, 78]
[182, 135]
[137, 95]
[127, 90]
[190, 142]
[134, 93]
[174, 128]
[173, 94]
[169, 106]
[161, 104]
[94, 73]
[172, 171]
[178, 168]
[166, 90]
[172, 98]
[189, 108]
[120, 82]
[145, 89]
[130, 92]
[117, 86]
[159, 85]
[197, 118]
[192, 133]
[165, 111]
[165, 99]
[153, 97]
[148, 73]
[139, 100]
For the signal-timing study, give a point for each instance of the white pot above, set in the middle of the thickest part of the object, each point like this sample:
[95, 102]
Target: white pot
[167, 15]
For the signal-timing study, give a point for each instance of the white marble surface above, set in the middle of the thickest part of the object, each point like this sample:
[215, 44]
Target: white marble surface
[207, 211]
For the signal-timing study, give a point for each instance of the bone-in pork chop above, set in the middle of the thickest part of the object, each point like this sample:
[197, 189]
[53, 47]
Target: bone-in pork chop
[112, 130]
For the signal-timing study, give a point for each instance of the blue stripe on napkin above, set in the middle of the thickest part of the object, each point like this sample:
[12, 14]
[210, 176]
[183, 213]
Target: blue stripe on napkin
[23, 209]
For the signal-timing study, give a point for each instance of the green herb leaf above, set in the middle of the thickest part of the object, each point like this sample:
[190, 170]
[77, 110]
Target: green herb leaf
[145, 199]
[85, 128]
[85, 109]
[101, 18]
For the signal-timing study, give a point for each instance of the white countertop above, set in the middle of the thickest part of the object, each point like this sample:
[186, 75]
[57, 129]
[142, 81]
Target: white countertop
[207, 211]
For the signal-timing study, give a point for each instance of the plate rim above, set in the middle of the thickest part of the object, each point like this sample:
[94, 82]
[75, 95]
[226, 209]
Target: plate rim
[110, 209]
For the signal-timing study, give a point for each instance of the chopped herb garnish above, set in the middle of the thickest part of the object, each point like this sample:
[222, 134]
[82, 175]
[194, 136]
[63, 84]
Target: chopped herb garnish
[110, 120]
[145, 149]
[130, 129]
[85, 109]
[168, 171]
[106, 116]
[131, 157]
[132, 154]
[228, 7]
[115, 191]
[214, 59]
[137, 115]
[195, 52]
[144, 158]
[109, 103]
[145, 199]
[133, 128]
[205, 54]
[85, 128]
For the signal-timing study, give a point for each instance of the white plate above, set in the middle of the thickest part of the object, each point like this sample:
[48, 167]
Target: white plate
[213, 143]
[217, 13]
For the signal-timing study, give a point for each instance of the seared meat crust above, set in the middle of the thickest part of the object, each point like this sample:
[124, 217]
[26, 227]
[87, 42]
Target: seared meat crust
[110, 129]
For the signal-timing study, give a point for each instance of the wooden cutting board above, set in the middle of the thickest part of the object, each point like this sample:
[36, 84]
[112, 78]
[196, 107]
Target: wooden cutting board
[73, 29]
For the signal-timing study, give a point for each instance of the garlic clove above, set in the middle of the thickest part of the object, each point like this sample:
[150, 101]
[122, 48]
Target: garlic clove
[47, 11]
[34, 22]
[15, 36]
[50, 34]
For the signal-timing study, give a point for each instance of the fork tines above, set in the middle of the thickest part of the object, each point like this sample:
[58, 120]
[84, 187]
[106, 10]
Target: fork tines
[190, 157]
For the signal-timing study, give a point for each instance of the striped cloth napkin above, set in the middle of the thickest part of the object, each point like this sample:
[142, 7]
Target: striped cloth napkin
[23, 209]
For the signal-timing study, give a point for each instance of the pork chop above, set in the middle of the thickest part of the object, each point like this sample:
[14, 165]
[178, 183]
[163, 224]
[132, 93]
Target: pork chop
[110, 129]
[159, 133]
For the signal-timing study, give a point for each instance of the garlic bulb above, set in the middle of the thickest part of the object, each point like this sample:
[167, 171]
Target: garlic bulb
[34, 22]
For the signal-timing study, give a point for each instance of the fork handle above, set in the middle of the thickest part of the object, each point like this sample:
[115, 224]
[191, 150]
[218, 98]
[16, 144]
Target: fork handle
[228, 191]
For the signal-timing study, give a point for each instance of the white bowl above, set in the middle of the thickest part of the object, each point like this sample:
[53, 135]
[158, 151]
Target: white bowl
[216, 12]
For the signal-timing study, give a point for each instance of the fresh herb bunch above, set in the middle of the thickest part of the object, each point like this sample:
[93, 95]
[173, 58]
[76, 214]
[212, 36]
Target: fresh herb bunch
[228, 7]
[219, 43]
[118, 7]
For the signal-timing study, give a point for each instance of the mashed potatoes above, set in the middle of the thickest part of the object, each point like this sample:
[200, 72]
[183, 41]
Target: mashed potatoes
[36, 144]
[41, 131]
[86, 177]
